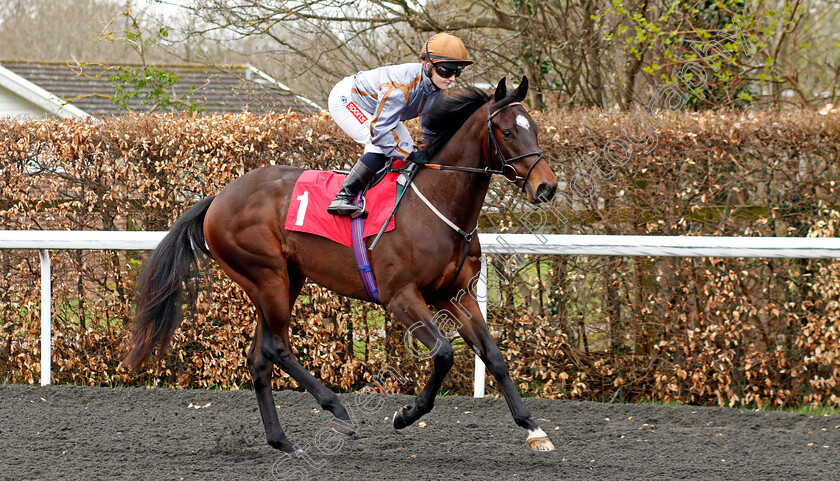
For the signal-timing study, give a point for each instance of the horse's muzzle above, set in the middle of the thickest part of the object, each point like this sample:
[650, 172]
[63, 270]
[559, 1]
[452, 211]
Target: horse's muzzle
[545, 192]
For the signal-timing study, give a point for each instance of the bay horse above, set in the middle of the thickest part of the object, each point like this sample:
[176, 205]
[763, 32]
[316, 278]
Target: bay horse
[421, 262]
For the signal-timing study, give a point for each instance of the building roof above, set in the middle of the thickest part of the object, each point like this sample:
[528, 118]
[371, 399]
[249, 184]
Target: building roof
[232, 89]
[20, 96]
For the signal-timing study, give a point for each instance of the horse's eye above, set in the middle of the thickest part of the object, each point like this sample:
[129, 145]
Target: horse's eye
[507, 133]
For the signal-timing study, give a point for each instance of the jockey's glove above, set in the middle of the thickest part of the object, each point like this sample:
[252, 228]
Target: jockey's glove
[419, 156]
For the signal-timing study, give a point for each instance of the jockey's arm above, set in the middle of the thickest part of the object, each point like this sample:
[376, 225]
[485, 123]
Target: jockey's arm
[383, 127]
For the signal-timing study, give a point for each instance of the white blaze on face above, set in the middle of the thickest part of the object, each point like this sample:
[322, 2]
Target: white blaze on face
[523, 122]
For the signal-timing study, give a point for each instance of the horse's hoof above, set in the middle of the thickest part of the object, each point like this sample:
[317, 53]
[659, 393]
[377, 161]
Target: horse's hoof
[541, 444]
[399, 417]
[284, 445]
[538, 441]
[342, 427]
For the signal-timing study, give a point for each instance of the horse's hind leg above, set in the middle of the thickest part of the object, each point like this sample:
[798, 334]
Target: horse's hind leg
[261, 370]
[275, 307]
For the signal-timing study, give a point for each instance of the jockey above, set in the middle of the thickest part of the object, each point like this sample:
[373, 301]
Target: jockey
[372, 105]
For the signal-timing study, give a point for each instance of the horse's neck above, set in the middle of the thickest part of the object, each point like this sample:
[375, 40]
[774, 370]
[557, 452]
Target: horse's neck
[459, 195]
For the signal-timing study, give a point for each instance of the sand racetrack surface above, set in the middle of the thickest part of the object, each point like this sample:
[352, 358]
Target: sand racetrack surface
[86, 433]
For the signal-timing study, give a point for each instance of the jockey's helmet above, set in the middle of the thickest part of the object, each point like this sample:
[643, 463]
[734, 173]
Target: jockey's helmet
[445, 47]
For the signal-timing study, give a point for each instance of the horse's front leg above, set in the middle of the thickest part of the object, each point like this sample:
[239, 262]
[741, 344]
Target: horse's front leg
[410, 308]
[473, 329]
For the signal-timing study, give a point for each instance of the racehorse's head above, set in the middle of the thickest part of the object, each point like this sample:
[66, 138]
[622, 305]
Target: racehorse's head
[513, 147]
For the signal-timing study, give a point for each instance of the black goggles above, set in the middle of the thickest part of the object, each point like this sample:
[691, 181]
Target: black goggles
[448, 70]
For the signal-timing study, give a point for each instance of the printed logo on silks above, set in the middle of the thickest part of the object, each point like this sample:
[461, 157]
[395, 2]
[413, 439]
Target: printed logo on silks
[357, 112]
[343, 99]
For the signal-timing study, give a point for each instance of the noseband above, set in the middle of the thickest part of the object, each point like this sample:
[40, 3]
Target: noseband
[494, 149]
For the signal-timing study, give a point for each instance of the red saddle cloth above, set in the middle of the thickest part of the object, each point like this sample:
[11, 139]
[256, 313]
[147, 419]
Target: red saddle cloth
[314, 191]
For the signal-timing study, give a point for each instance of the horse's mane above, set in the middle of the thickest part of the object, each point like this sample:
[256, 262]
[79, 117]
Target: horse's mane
[445, 118]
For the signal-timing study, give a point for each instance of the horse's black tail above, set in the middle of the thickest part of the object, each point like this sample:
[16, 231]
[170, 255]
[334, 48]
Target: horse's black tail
[160, 292]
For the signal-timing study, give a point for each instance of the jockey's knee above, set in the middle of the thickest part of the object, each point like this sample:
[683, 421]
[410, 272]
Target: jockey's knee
[375, 161]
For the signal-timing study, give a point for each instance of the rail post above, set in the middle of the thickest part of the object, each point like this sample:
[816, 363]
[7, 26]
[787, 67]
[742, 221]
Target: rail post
[479, 380]
[46, 318]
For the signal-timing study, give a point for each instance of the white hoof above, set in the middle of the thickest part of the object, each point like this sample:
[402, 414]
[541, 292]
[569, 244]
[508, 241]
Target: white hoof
[538, 441]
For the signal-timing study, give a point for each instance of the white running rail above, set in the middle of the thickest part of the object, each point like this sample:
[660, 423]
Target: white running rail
[675, 246]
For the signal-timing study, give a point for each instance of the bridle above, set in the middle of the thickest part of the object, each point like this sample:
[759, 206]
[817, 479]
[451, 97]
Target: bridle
[494, 149]
[492, 142]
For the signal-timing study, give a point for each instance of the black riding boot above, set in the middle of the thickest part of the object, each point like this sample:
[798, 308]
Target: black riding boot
[343, 204]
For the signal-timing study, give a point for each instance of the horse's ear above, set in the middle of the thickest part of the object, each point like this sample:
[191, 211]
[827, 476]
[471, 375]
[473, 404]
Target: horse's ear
[501, 91]
[521, 91]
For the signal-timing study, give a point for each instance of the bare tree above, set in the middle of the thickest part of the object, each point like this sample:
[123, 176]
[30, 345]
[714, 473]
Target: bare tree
[311, 44]
[58, 31]
[602, 53]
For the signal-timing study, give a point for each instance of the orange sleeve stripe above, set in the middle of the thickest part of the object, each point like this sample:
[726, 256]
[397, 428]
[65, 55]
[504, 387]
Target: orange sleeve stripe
[397, 148]
[365, 94]
[379, 109]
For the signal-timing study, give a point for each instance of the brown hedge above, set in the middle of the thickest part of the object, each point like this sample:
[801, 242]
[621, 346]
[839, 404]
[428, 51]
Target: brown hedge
[706, 331]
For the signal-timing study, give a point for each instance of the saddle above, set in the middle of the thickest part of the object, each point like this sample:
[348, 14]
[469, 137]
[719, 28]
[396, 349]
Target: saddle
[315, 189]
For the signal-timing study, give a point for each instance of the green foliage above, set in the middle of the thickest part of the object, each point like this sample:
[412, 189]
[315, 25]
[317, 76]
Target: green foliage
[154, 87]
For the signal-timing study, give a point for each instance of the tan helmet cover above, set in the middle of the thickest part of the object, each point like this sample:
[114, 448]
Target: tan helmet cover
[445, 47]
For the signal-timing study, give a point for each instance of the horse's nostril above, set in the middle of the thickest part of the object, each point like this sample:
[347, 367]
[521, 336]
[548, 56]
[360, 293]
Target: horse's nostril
[545, 192]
